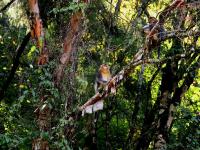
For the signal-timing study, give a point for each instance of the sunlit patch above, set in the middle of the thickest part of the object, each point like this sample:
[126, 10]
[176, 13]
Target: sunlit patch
[21, 86]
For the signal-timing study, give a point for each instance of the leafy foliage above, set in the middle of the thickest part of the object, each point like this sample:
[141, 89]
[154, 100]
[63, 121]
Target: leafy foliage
[107, 38]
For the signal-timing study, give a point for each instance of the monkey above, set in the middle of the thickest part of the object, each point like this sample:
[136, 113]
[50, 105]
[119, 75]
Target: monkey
[152, 21]
[102, 78]
[154, 33]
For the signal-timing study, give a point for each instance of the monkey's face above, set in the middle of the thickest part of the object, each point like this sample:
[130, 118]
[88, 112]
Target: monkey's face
[104, 68]
[152, 20]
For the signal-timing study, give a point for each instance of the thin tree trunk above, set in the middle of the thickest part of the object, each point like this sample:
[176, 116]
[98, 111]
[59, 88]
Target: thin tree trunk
[107, 130]
[69, 58]
[16, 62]
[134, 116]
[117, 10]
[69, 45]
[43, 111]
[151, 123]
[166, 116]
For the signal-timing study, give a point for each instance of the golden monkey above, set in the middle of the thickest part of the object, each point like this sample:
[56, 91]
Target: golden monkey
[102, 78]
[154, 35]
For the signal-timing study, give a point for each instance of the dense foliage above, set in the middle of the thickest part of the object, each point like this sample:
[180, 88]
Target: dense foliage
[112, 36]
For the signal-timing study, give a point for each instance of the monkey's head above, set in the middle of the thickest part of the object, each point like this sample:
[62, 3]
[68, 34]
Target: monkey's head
[104, 68]
[152, 20]
[147, 28]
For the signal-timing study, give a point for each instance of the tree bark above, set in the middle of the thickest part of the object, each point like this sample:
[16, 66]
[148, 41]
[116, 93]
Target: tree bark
[43, 112]
[69, 59]
[69, 43]
[166, 116]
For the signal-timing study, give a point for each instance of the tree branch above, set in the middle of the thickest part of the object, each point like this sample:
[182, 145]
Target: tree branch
[137, 59]
[180, 91]
[179, 34]
[140, 10]
[16, 62]
[117, 79]
[7, 5]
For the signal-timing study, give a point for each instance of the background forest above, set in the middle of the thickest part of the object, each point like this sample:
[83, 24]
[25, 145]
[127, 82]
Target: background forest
[51, 51]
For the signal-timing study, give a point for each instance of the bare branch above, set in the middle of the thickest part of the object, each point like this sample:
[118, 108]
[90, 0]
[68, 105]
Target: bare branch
[19, 50]
[117, 8]
[117, 79]
[140, 10]
[7, 5]
[137, 59]
[180, 34]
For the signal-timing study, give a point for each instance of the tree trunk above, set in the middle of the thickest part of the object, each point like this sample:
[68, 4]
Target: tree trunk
[16, 62]
[166, 117]
[69, 58]
[69, 45]
[43, 112]
[158, 121]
